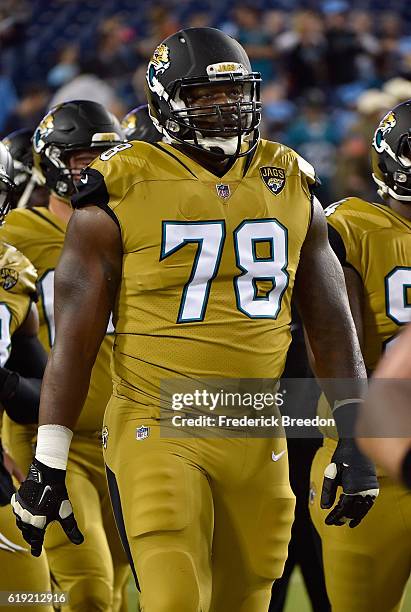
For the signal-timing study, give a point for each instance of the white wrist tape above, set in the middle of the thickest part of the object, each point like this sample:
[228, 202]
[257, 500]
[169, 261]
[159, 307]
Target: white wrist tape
[53, 444]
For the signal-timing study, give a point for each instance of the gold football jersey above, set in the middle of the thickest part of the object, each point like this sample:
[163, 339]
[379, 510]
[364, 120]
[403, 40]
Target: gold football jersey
[377, 245]
[208, 263]
[39, 234]
[17, 289]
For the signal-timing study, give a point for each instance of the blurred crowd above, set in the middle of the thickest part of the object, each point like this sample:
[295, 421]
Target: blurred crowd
[330, 68]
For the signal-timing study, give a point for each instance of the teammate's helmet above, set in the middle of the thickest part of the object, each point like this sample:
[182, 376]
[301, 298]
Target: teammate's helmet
[138, 125]
[71, 126]
[7, 186]
[19, 145]
[204, 57]
[391, 153]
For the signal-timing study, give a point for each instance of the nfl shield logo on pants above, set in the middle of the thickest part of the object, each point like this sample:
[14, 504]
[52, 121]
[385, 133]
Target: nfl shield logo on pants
[142, 432]
[223, 191]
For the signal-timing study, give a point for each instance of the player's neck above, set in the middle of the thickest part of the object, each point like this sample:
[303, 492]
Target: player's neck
[217, 166]
[60, 208]
[401, 208]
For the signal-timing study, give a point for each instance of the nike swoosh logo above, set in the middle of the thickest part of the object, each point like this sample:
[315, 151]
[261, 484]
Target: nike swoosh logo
[275, 457]
[46, 488]
[84, 179]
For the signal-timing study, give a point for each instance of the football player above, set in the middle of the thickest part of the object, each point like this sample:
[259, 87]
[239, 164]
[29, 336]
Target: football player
[22, 363]
[137, 125]
[66, 140]
[195, 244]
[368, 568]
[28, 190]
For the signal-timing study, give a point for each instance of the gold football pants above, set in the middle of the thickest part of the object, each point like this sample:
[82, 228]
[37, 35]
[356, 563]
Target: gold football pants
[95, 572]
[19, 570]
[206, 521]
[366, 568]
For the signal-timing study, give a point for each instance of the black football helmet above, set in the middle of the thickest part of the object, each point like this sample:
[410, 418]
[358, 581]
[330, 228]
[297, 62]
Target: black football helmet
[204, 57]
[7, 186]
[391, 154]
[19, 143]
[138, 125]
[71, 126]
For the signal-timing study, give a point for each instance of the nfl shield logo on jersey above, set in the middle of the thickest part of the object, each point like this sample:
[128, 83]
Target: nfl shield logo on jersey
[142, 432]
[274, 178]
[223, 191]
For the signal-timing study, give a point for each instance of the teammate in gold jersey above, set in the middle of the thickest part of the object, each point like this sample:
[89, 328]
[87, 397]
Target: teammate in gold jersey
[195, 244]
[368, 568]
[95, 577]
[22, 363]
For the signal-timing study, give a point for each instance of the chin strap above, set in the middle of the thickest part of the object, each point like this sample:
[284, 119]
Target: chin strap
[225, 147]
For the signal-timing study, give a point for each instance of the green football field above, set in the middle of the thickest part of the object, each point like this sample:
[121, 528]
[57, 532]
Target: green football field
[297, 600]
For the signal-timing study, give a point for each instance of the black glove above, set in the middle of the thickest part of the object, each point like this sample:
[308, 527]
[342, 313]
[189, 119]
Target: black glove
[6, 483]
[356, 475]
[41, 499]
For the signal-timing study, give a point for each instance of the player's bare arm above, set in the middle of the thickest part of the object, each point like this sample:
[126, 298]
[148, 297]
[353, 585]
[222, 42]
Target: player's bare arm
[85, 287]
[325, 309]
[355, 292]
[354, 289]
[86, 283]
[389, 398]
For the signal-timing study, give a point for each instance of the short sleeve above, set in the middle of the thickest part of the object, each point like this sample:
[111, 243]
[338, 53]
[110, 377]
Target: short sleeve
[92, 190]
[106, 181]
[343, 235]
[309, 178]
[17, 273]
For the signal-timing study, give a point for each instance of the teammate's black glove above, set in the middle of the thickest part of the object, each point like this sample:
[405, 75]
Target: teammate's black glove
[6, 483]
[41, 499]
[356, 475]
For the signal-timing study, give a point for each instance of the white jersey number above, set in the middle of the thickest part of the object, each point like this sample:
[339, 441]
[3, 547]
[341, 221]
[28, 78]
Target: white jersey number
[210, 239]
[210, 236]
[5, 336]
[273, 268]
[47, 297]
[397, 306]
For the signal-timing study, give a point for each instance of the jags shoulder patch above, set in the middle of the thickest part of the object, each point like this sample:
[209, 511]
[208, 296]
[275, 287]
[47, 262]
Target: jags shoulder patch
[8, 278]
[17, 274]
[273, 178]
